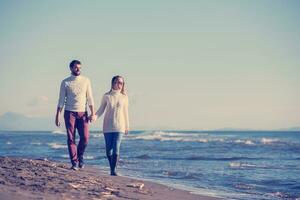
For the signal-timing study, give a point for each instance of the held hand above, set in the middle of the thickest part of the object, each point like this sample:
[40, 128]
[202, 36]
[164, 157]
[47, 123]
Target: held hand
[57, 122]
[92, 118]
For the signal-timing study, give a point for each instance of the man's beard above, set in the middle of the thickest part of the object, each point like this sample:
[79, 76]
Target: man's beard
[76, 73]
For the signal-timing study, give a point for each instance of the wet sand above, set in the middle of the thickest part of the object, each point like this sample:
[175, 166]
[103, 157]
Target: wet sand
[42, 179]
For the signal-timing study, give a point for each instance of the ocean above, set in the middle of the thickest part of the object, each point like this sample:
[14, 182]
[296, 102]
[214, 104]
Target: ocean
[228, 164]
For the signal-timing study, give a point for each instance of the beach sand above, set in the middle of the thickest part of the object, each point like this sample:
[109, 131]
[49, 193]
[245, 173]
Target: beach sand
[42, 179]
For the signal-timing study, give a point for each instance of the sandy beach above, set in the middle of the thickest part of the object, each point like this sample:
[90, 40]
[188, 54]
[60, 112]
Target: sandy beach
[42, 179]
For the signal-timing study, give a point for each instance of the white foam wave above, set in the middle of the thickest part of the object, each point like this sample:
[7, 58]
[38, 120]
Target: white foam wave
[244, 186]
[280, 195]
[268, 140]
[59, 132]
[173, 136]
[179, 134]
[57, 146]
[203, 140]
[85, 157]
[239, 165]
[164, 138]
[8, 142]
[96, 135]
[199, 137]
[217, 139]
[247, 142]
[89, 157]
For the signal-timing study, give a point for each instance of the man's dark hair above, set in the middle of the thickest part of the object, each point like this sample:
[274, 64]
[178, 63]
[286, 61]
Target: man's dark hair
[74, 62]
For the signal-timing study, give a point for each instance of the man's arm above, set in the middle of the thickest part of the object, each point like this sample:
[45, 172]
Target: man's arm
[92, 116]
[57, 121]
[90, 100]
[61, 103]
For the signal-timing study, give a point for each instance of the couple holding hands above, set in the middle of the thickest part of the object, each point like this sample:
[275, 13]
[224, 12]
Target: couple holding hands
[75, 94]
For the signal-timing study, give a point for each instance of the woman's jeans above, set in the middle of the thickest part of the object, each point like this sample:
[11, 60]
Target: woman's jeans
[113, 142]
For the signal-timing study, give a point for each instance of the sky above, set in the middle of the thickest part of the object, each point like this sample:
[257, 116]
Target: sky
[187, 64]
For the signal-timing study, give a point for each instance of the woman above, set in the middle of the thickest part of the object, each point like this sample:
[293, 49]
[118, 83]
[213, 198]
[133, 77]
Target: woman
[116, 122]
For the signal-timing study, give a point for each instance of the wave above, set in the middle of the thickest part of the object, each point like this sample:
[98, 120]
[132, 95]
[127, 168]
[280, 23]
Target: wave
[8, 142]
[174, 136]
[206, 138]
[181, 175]
[280, 195]
[89, 157]
[200, 137]
[247, 142]
[269, 140]
[59, 132]
[146, 157]
[240, 165]
[265, 141]
[96, 135]
[221, 159]
[178, 134]
[35, 143]
[244, 186]
[85, 157]
[297, 187]
[57, 146]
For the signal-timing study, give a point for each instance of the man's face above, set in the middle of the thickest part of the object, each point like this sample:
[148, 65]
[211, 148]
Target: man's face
[76, 69]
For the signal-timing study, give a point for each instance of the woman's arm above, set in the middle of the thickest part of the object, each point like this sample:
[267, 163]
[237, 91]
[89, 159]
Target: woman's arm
[102, 107]
[126, 115]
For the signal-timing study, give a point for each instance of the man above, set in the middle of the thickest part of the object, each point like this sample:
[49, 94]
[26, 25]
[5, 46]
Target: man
[75, 94]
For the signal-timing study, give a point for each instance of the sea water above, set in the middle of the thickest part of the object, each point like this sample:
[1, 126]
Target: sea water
[229, 164]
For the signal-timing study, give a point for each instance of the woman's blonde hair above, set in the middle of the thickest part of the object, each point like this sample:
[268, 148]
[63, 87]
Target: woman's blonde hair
[114, 79]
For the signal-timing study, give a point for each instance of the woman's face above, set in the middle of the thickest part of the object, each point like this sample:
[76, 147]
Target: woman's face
[118, 84]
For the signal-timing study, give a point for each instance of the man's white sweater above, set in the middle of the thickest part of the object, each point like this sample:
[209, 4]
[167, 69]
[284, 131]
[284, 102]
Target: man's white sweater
[115, 105]
[75, 93]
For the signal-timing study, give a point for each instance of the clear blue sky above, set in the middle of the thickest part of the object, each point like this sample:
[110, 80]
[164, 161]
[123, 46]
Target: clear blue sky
[187, 64]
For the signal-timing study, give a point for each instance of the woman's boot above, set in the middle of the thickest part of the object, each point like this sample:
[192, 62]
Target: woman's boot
[114, 163]
[109, 158]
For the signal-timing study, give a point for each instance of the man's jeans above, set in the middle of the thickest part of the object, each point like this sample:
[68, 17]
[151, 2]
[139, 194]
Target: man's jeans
[79, 121]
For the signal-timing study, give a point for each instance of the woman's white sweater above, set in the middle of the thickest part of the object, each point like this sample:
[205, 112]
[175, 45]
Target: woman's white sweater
[115, 105]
